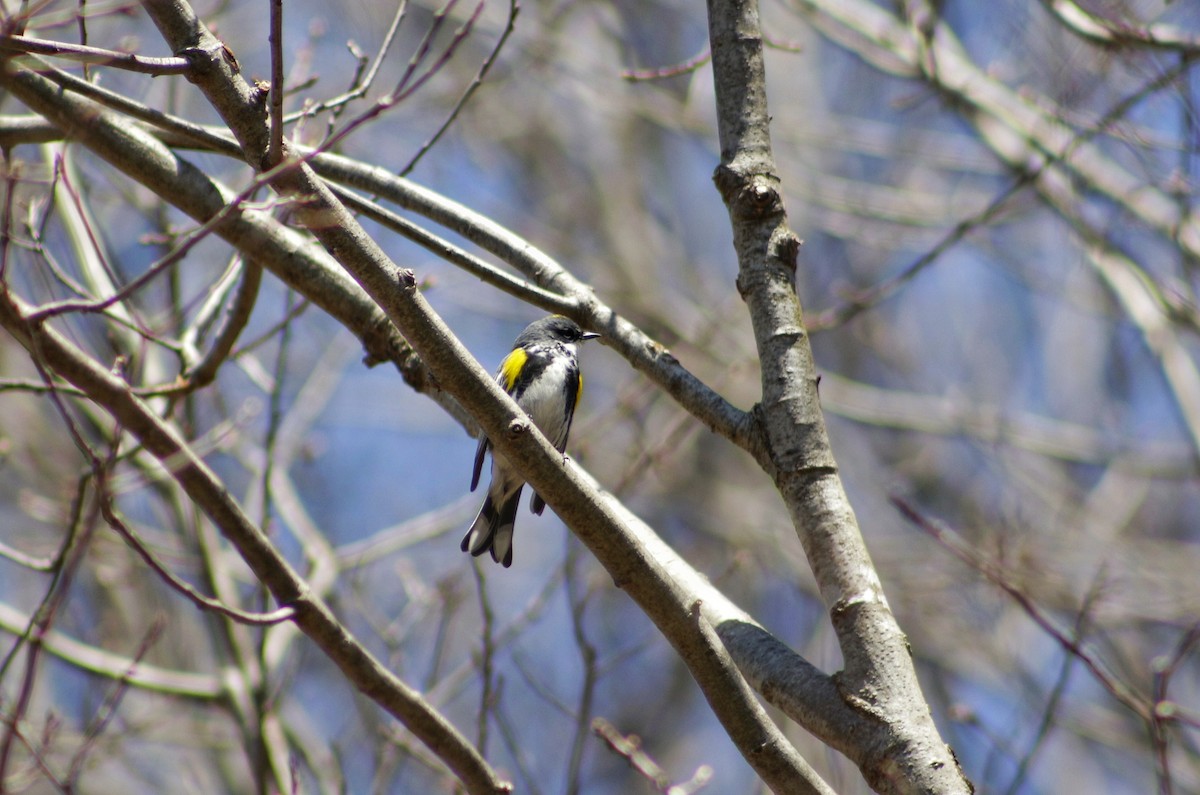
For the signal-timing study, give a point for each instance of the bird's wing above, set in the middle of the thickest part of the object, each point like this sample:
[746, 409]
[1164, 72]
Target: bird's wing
[479, 453]
[506, 376]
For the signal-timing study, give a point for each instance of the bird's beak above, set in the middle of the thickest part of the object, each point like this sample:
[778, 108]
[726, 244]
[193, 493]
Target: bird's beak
[588, 335]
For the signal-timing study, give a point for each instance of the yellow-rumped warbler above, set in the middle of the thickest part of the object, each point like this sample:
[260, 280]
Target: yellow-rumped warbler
[542, 375]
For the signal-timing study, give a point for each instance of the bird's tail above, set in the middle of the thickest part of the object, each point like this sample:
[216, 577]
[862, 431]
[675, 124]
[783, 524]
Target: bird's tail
[492, 530]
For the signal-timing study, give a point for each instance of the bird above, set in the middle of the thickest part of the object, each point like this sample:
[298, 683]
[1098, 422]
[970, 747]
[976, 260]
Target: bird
[541, 373]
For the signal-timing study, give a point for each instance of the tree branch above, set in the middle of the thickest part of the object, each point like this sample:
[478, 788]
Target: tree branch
[312, 615]
[510, 430]
[283, 251]
[185, 684]
[904, 752]
[642, 352]
[96, 56]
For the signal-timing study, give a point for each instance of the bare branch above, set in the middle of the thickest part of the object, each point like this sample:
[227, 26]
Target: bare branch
[506, 425]
[96, 56]
[185, 684]
[275, 39]
[878, 676]
[476, 82]
[950, 540]
[296, 260]
[312, 615]
[630, 747]
[1114, 34]
[194, 596]
[642, 352]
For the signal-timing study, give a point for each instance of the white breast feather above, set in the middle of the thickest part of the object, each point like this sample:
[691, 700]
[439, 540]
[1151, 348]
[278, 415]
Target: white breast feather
[543, 401]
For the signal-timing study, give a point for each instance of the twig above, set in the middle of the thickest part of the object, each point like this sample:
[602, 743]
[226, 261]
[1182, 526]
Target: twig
[97, 56]
[994, 574]
[184, 684]
[69, 560]
[28, 561]
[361, 84]
[487, 696]
[577, 602]
[313, 614]
[514, 8]
[195, 134]
[112, 701]
[234, 320]
[690, 65]
[1109, 33]
[1164, 710]
[630, 747]
[1025, 176]
[423, 48]
[275, 40]
[521, 754]
[405, 89]
[1060, 686]
[43, 764]
[446, 250]
[108, 511]
[189, 241]
[11, 178]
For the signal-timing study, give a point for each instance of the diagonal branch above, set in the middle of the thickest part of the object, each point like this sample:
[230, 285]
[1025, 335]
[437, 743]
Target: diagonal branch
[303, 267]
[287, 253]
[96, 55]
[666, 587]
[593, 519]
[271, 568]
[643, 353]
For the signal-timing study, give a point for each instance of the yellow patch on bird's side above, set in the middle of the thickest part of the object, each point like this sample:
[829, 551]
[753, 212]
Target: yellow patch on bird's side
[512, 366]
[579, 390]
